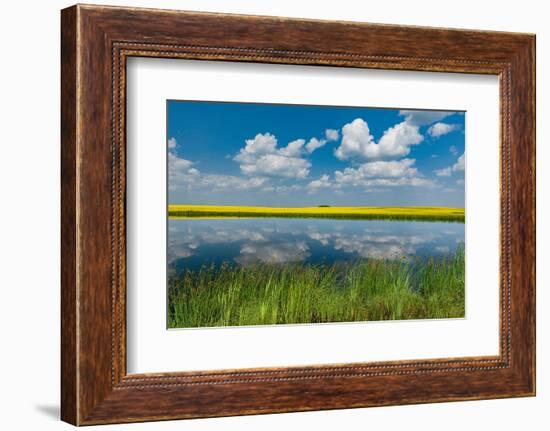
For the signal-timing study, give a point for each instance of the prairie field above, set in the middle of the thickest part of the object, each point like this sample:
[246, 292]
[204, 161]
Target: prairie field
[389, 213]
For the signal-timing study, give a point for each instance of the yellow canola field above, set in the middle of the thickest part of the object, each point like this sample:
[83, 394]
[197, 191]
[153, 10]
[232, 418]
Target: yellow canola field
[337, 212]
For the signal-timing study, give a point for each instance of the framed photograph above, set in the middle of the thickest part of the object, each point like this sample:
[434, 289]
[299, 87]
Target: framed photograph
[292, 247]
[267, 215]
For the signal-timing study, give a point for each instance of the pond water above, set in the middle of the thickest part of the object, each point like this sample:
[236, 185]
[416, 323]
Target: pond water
[195, 242]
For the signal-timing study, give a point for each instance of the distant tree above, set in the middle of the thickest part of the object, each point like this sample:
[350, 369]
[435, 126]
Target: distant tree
[323, 206]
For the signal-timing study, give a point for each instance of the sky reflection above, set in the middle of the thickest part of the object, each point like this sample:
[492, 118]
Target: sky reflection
[195, 242]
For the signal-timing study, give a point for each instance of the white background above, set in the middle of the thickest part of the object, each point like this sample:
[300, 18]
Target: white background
[151, 348]
[29, 226]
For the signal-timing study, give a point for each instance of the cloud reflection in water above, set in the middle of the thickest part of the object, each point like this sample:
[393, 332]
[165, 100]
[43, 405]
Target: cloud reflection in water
[246, 241]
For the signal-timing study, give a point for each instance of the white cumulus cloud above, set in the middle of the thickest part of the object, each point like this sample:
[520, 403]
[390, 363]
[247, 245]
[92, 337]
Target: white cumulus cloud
[439, 129]
[445, 172]
[293, 149]
[358, 143]
[261, 157]
[459, 166]
[332, 134]
[183, 175]
[264, 143]
[322, 183]
[180, 171]
[382, 173]
[277, 165]
[314, 144]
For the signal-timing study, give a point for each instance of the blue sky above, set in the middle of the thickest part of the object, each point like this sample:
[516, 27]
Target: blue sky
[299, 155]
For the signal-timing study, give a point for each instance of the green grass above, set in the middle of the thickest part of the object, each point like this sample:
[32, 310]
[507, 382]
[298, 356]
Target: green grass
[390, 213]
[363, 290]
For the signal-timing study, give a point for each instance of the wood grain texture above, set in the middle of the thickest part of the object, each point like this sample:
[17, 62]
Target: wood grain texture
[96, 41]
[69, 366]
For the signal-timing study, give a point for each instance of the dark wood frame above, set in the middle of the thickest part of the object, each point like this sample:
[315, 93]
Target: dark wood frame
[95, 43]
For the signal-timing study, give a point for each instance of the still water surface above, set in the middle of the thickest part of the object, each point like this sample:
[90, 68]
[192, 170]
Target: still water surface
[195, 242]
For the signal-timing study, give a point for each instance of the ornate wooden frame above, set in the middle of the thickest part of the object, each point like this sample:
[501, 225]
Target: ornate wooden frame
[95, 43]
